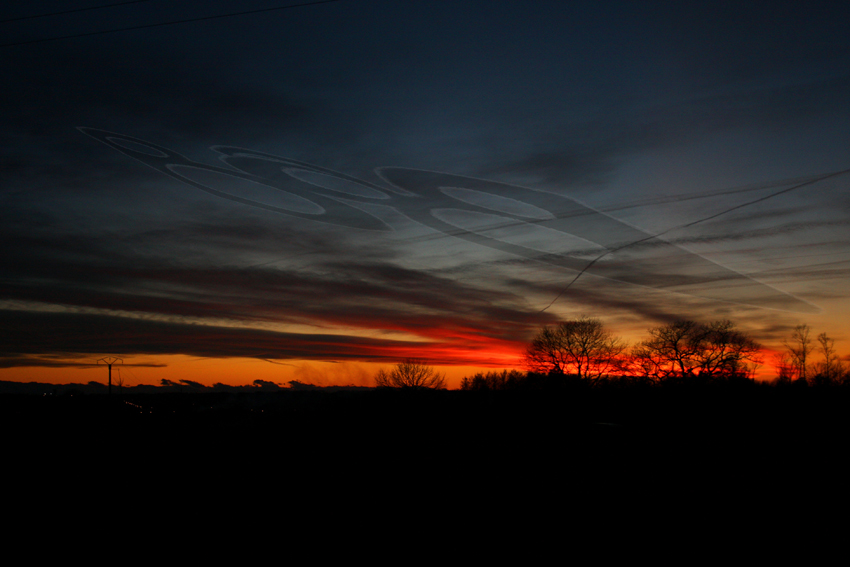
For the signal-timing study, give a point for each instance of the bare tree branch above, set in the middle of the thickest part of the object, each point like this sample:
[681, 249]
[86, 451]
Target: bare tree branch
[578, 346]
[410, 374]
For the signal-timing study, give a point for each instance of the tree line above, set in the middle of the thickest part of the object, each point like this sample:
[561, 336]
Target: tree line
[681, 351]
[797, 361]
[583, 350]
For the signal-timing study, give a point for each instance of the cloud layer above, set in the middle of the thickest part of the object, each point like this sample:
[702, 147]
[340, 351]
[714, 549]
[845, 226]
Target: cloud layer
[682, 152]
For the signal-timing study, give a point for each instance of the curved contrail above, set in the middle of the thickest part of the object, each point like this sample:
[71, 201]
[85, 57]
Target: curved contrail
[446, 202]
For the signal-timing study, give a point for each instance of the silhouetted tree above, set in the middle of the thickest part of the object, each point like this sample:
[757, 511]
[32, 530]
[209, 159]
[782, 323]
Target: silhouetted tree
[798, 349]
[688, 348]
[671, 350]
[579, 346]
[727, 351]
[410, 374]
[831, 370]
[785, 371]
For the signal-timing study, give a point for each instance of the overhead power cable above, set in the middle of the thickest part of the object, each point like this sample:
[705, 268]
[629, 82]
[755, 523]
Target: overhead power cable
[71, 11]
[175, 22]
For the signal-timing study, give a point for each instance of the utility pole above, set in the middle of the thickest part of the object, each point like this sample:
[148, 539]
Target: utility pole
[109, 361]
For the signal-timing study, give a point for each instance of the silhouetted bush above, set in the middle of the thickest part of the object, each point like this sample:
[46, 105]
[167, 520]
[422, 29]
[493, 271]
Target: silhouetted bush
[494, 380]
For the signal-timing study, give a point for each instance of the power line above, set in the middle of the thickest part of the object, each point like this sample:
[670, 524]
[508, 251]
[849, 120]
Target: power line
[146, 26]
[71, 11]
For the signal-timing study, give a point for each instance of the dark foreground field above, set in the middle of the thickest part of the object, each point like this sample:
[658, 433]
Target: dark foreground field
[337, 458]
[698, 440]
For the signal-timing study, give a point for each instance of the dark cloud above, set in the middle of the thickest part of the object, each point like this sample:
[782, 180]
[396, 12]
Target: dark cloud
[590, 151]
[27, 334]
[61, 360]
[685, 120]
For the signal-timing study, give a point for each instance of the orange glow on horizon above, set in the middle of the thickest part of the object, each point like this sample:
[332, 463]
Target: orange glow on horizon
[153, 369]
[244, 371]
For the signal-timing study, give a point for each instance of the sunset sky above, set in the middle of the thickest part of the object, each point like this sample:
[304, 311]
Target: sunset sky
[313, 192]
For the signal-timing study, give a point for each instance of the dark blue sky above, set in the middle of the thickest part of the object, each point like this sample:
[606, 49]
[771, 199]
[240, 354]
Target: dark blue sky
[687, 149]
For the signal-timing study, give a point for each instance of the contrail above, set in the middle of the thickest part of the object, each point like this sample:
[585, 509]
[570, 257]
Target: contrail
[810, 181]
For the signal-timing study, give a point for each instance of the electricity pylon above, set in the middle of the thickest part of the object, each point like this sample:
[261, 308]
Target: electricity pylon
[109, 361]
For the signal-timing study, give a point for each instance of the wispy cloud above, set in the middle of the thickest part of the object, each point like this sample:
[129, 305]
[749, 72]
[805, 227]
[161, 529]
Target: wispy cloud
[678, 152]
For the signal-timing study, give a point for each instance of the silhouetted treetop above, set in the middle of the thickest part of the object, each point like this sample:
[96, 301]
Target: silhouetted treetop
[579, 346]
[410, 374]
[688, 348]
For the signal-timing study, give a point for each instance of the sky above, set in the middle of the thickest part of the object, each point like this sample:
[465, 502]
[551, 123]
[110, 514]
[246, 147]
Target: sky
[313, 192]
